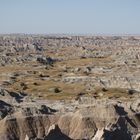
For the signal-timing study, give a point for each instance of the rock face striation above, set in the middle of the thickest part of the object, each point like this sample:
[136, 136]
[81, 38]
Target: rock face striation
[67, 47]
[121, 56]
[99, 119]
[93, 83]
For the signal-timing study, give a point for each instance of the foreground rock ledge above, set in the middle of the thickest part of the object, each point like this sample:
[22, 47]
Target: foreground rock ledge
[56, 120]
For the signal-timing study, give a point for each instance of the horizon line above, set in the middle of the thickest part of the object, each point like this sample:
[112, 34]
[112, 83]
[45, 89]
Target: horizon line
[70, 34]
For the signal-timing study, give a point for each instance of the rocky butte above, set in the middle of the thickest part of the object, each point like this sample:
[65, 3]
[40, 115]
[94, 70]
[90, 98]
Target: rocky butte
[69, 87]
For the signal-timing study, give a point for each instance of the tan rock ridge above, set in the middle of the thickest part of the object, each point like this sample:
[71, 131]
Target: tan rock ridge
[100, 119]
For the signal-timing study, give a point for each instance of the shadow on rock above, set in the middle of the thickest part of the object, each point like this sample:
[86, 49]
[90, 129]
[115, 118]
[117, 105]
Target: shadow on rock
[56, 134]
[47, 110]
[17, 96]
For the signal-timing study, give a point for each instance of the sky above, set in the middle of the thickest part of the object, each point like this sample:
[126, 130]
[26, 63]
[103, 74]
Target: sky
[70, 16]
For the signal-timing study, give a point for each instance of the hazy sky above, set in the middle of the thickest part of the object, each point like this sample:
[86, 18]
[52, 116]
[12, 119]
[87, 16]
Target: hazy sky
[70, 16]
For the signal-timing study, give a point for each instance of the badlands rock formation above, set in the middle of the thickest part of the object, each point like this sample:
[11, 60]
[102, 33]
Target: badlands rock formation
[69, 88]
[120, 55]
[65, 120]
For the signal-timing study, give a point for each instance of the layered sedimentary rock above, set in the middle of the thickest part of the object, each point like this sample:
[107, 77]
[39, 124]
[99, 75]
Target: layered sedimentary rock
[99, 119]
[120, 55]
[80, 46]
[94, 83]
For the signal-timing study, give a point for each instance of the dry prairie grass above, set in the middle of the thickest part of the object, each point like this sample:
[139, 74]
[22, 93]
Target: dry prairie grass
[38, 87]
